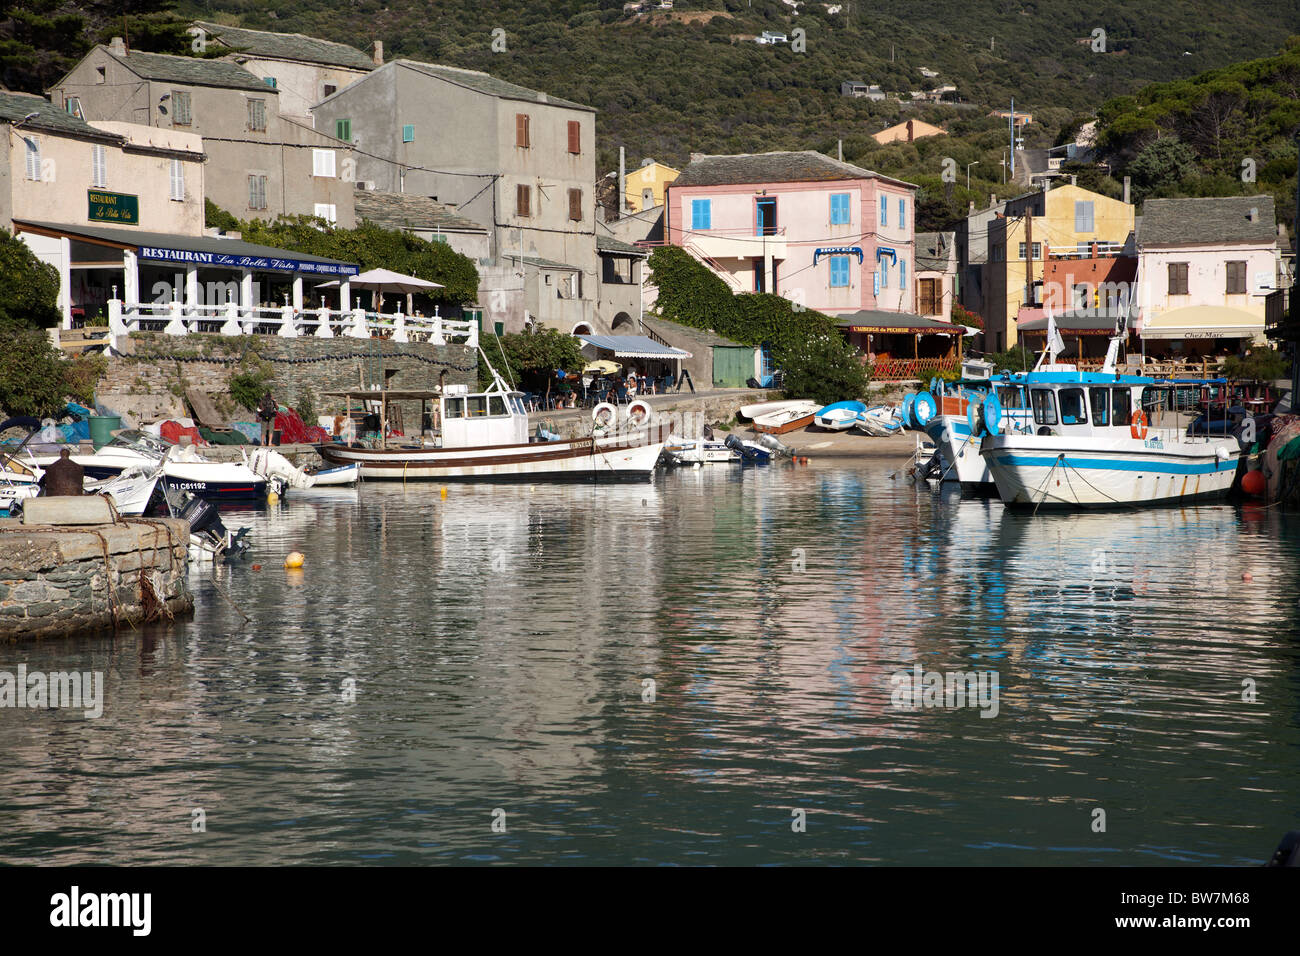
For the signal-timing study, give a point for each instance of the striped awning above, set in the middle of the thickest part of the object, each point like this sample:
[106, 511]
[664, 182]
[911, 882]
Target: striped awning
[634, 346]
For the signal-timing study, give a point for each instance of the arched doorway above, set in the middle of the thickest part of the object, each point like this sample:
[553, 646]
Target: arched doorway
[582, 328]
[622, 323]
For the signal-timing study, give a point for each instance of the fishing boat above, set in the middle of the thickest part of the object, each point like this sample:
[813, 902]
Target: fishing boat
[944, 414]
[839, 416]
[1099, 440]
[184, 469]
[880, 421]
[484, 437]
[794, 415]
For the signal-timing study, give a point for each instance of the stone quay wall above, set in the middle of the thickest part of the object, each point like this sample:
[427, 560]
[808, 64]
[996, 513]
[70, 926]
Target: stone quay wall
[149, 380]
[75, 579]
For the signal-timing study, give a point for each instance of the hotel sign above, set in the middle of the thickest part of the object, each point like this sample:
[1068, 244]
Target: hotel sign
[838, 251]
[237, 261]
[113, 207]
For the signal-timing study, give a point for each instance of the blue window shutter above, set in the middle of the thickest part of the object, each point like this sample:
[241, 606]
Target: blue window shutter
[839, 272]
[884, 210]
[700, 213]
[840, 209]
[408, 133]
[270, 81]
[902, 273]
[902, 213]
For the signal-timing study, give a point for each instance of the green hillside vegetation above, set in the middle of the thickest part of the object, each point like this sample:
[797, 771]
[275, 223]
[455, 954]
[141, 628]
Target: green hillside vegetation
[1191, 137]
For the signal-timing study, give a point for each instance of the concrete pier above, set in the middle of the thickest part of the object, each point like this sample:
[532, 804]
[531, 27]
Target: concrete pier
[75, 579]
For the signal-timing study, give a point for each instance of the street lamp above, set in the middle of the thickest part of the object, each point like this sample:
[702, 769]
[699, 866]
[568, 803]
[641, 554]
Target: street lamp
[968, 166]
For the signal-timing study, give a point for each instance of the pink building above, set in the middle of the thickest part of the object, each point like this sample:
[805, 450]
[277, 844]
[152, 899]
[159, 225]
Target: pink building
[826, 234]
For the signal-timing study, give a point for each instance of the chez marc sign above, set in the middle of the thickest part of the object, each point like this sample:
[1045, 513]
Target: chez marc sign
[234, 260]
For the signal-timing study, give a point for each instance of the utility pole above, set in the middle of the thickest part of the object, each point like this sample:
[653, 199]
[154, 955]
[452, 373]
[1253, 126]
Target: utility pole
[622, 182]
[1029, 256]
[840, 151]
[1011, 124]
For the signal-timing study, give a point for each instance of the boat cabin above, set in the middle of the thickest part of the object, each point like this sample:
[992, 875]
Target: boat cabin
[472, 419]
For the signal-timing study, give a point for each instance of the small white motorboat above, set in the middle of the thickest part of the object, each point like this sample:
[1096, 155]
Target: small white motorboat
[794, 415]
[767, 408]
[131, 491]
[880, 421]
[698, 451]
[336, 477]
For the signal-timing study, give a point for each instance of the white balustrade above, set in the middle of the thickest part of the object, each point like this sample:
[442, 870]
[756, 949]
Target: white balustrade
[287, 328]
[175, 326]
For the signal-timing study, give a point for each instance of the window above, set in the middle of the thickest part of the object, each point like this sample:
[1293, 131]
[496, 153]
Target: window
[701, 213]
[178, 180]
[33, 158]
[256, 192]
[523, 201]
[1100, 405]
[902, 273]
[408, 133]
[902, 213]
[181, 115]
[1178, 278]
[839, 272]
[270, 81]
[257, 116]
[343, 130]
[322, 163]
[1073, 410]
[929, 300]
[1009, 396]
[1119, 406]
[496, 406]
[73, 106]
[1038, 250]
[98, 172]
[327, 211]
[575, 137]
[1083, 216]
[1044, 405]
[1236, 278]
[455, 408]
[884, 210]
[999, 253]
[329, 89]
[521, 131]
[476, 406]
[100, 75]
[575, 205]
[840, 215]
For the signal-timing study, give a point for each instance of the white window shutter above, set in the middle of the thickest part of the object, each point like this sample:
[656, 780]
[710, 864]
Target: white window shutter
[178, 180]
[322, 162]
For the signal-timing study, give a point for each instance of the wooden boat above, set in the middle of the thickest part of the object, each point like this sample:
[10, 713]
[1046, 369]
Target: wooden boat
[484, 437]
[767, 408]
[796, 415]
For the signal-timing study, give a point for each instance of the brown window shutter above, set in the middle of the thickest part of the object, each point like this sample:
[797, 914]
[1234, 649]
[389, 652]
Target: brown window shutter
[521, 130]
[575, 137]
[522, 198]
[575, 205]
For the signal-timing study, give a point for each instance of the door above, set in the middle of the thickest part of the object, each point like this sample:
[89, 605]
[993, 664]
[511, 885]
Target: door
[732, 366]
[765, 217]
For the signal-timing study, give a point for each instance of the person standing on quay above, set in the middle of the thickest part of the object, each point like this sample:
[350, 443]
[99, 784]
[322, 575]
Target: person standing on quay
[266, 412]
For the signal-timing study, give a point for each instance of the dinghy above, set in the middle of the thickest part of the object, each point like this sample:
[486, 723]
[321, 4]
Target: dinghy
[839, 416]
[880, 421]
[795, 415]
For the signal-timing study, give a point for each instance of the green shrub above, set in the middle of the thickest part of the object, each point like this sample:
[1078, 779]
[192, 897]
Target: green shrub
[824, 369]
[36, 379]
[306, 406]
[1015, 359]
[248, 387]
[1261, 364]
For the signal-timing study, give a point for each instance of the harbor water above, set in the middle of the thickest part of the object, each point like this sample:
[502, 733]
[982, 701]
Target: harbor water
[704, 669]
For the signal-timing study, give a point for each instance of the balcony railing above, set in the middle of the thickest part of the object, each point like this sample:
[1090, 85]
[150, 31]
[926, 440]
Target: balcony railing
[898, 370]
[176, 318]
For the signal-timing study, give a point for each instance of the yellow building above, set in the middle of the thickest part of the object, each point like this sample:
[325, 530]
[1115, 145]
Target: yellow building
[645, 186]
[906, 132]
[1061, 222]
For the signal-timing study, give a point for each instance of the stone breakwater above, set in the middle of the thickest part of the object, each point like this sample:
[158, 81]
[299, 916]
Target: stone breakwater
[56, 581]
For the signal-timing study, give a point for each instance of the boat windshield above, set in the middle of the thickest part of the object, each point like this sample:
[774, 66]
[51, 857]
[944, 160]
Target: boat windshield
[1044, 403]
[141, 442]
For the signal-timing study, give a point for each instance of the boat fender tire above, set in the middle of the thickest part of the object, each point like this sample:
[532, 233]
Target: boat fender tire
[909, 411]
[974, 418]
[924, 409]
[604, 415]
[640, 414]
[1137, 424]
[991, 415]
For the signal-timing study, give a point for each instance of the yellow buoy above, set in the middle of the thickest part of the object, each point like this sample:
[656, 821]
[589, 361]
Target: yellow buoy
[443, 493]
[294, 560]
[272, 498]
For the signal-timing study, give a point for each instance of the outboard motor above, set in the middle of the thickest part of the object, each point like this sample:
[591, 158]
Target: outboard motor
[205, 522]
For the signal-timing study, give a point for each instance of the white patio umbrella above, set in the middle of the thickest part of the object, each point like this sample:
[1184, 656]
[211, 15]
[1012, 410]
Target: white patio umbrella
[385, 280]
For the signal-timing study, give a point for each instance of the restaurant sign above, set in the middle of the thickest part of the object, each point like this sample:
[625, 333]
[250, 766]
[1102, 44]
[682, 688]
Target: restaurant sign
[237, 261]
[113, 207]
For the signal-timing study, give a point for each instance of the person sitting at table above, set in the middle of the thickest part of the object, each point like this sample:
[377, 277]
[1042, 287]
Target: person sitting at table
[631, 384]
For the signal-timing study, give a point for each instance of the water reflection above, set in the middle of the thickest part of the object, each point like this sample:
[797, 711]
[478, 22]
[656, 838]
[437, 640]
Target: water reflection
[498, 641]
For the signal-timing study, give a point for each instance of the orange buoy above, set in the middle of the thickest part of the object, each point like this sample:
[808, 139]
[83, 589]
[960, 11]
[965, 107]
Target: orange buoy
[1247, 576]
[257, 567]
[1254, 484]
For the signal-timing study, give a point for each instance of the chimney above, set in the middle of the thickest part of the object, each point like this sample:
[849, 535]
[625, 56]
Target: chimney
[909, 131]
[970, 209]
[1074, 180]
[696, 157]
[994, 201]
[117, 47]
[1128, 182]
[378, 56]
[1254, 214]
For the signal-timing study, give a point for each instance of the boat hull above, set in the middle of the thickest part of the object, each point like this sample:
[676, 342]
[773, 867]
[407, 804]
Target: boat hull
[1033, 471]
[773, 425]
[616, 458]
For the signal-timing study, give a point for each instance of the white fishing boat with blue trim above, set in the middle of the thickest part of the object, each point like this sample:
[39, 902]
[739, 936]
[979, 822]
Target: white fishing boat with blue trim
[1100, 440]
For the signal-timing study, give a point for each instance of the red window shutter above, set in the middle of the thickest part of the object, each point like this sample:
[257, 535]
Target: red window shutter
[575, 137]
[522, 201]
[521, 130]
[575, 205]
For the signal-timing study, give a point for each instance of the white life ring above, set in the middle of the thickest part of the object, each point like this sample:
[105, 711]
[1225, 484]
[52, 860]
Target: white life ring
[640, 414]
[603, 416]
